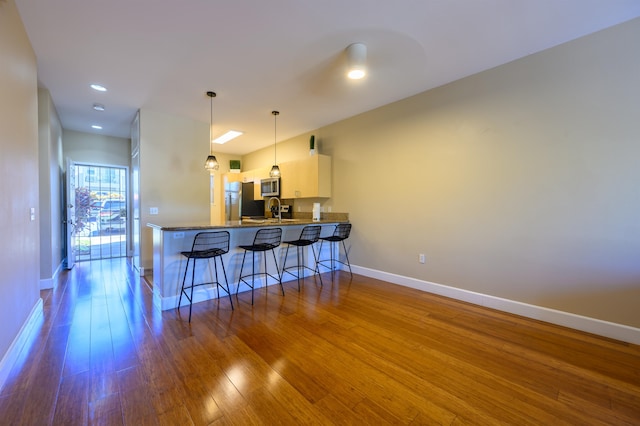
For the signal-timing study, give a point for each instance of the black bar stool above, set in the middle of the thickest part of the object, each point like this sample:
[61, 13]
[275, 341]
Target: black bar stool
[340, 233]
[266, 239]
[206, 245]
[308, 237]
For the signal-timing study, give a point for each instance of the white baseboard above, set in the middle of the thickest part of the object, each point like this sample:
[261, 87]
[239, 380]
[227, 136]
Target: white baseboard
[47, 283]
[28, 328]
[590, 325]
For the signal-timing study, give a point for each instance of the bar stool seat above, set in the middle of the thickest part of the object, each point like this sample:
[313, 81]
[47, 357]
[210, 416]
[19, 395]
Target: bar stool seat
[308, 237]
[206, 245]
[266, 239]
[340, 233]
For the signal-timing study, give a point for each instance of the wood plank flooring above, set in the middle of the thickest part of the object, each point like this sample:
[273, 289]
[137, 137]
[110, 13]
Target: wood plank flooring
[356, 351]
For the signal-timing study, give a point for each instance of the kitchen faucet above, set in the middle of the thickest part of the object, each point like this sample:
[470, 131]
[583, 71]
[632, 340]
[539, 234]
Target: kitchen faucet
[279, 215]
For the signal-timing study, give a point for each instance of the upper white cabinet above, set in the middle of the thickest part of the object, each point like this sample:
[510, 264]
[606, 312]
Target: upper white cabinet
[250, 176]
[307, 178]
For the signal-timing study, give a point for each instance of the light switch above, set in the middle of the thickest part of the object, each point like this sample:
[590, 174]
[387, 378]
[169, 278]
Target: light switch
[153, 210]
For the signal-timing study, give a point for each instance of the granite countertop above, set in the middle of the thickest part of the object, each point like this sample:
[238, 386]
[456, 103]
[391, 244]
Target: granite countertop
[248, 223]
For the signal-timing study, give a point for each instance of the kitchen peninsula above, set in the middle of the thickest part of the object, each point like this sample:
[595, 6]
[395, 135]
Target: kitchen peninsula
[169, 240]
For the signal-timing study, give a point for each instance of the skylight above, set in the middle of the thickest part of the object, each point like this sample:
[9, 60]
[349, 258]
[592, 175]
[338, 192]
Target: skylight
[231, 134]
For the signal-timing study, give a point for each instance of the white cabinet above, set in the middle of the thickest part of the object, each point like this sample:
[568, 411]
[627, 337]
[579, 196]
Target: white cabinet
[250, 176]
[307, 178]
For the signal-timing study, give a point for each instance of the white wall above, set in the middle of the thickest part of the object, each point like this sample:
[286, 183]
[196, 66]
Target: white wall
[19, 242]
[50, 172]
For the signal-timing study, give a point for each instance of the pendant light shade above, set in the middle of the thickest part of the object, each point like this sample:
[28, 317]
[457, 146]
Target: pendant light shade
[275, 170]
[211, 164]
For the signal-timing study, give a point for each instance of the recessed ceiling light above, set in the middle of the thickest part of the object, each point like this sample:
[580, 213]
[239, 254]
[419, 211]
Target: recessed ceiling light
[98, 107]
[99, 87]
[231, 134]
[95, 126]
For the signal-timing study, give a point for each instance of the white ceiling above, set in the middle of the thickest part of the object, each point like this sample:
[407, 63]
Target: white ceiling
[288, 55]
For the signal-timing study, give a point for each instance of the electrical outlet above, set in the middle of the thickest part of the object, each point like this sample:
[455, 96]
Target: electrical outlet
[421, 258]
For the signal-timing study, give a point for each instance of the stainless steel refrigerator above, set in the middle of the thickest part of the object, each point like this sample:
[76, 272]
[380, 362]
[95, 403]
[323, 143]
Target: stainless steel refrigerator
[239, 202]
[232, 201]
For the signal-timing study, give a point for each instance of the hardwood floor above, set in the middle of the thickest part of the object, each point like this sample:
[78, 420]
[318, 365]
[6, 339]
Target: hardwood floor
[355, 351]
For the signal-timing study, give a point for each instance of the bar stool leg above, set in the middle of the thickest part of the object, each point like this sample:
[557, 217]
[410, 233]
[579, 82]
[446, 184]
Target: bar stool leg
[275, 262]
[346, 256]
[193, 277]
[300, 270]
[215, 268]
[333, 262]
[224, 272]
[184, 279]
[253, 276]
[317, 268]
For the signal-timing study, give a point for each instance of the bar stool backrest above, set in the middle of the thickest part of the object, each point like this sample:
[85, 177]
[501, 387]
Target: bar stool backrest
[268, 238]
[311, 233]
[342, 231]
[212, 243]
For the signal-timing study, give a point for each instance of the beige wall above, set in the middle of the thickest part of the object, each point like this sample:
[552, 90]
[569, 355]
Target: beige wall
[521, 182]
[288, 150]
[172, 175]
[295, 148]
[50, 175]
[19, 245]
[96, 149]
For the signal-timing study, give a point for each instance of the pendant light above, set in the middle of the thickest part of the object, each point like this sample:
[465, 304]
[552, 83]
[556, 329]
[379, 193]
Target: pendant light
[211, 164]
[275, 170]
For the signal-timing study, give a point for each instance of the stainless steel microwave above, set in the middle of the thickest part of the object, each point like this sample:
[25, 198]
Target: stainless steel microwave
[270, 187]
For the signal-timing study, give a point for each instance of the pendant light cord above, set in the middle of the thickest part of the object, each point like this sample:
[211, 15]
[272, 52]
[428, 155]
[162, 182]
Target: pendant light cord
[275, 131]
[211, 95]
[211, 164]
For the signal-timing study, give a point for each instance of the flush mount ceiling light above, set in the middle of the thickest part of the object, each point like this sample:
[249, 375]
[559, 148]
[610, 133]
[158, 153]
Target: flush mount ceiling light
[356, 61]
[231, 134]
[99, 87]
[275, 170]
[211, 164]
[95, 126]
[98, 107]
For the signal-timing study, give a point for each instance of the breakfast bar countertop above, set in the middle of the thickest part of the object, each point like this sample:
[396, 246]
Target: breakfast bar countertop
[248, 223]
